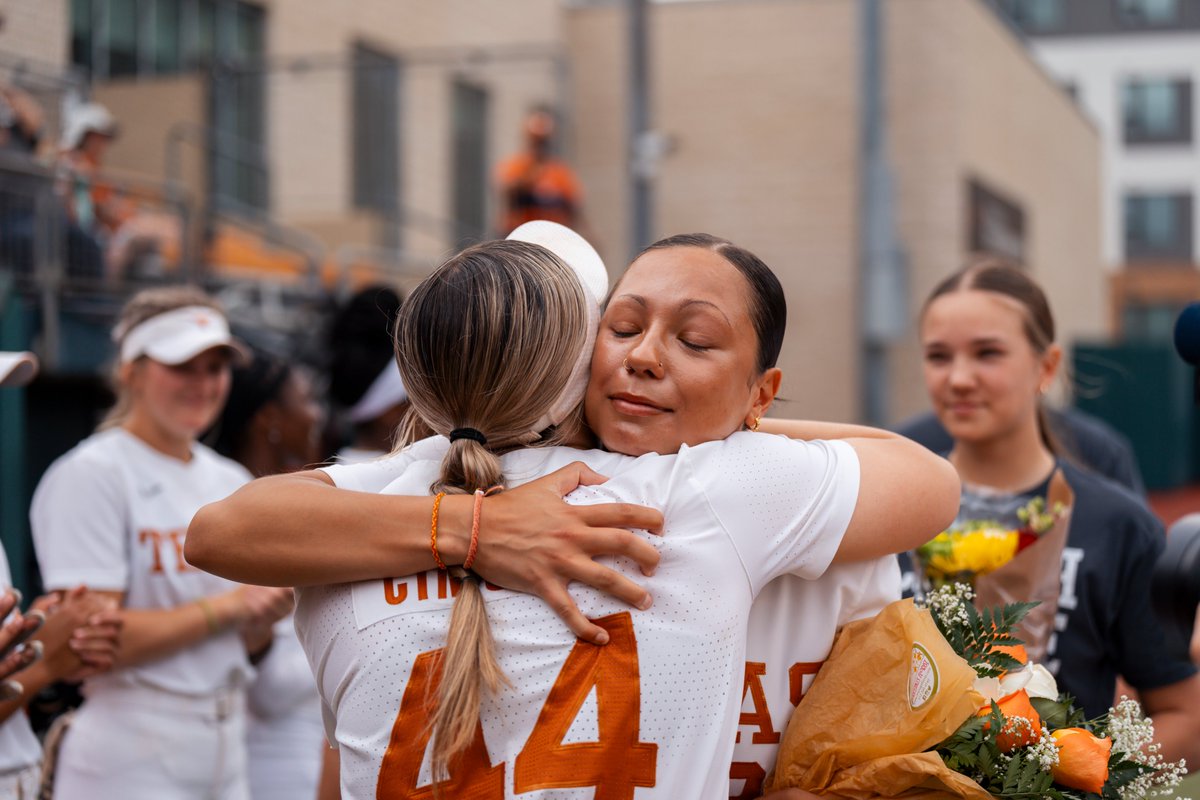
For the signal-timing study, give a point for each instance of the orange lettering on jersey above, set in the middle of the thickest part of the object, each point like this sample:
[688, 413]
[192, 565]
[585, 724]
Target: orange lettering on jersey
[753, 774]
[472, 776]
[616, 764]
[455, 585]
[761, 716]
[155, 538]
[796, 678]
[395, 591]
[177, 539]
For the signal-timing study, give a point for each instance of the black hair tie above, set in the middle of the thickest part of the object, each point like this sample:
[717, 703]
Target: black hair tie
[467, 433]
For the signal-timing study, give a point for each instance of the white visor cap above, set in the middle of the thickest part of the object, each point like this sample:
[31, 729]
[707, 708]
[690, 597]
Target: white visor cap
[17, 369]
[179, 335]
[583, 259]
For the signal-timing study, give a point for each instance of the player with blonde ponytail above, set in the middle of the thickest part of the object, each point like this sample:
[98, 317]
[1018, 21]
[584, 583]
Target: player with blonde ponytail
[470, 394]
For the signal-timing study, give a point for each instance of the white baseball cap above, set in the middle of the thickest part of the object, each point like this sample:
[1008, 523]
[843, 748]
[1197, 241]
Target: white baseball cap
[583, 259]
[17, 369]
[179, 335]
[89, 117]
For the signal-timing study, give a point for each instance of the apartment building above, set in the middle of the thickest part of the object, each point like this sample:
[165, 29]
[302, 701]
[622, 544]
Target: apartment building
[1133, 66]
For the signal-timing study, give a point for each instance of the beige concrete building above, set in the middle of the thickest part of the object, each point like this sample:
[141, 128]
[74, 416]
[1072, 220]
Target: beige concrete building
[761, 100]
[375, 122]
[33, 30]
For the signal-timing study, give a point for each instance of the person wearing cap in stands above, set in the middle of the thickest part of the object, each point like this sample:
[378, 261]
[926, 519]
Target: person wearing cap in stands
[364, 379]
[112, 513]
[73, 634]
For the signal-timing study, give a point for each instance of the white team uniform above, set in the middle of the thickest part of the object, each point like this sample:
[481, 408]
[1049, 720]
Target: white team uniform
[284, 733]
[651, 714]
[792, 627]
[112, 514]
[20, 753]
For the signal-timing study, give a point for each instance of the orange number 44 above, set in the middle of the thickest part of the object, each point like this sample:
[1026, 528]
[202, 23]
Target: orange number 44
[615, 765]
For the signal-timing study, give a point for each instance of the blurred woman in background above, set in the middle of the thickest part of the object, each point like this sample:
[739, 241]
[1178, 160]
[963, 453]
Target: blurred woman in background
[272, 424]
[112, 513]
[987, 334]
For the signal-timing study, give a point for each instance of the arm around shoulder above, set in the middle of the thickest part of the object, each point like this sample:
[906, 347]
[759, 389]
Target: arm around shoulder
[906, 496]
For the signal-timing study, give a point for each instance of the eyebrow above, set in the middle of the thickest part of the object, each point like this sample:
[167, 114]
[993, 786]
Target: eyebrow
[983, 341]
[637, 298]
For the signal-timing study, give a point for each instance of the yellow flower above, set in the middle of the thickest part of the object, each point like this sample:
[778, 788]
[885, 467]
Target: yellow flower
[976, 552]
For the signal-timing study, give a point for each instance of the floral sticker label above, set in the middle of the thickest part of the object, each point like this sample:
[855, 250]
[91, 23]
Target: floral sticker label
[922, 677]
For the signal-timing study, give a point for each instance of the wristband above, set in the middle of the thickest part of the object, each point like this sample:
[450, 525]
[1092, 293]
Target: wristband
[437, 558]
[474, 547]
[210, 615]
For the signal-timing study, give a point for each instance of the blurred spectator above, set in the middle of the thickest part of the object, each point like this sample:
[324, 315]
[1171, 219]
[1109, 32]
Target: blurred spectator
[21, 121]
[132, 240]
[535, 184]
[78, 638]
[364, 379]
[22, 181]
[271, 424]
[113, 512]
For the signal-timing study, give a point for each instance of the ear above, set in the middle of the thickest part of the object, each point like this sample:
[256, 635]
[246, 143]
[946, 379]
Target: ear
[763, 392]
[1050, 362]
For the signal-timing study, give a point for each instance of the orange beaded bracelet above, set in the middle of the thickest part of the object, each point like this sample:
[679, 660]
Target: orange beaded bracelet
[437, 558]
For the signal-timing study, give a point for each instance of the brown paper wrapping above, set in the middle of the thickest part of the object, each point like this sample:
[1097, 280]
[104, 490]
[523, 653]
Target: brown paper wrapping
[874, 708]
[1035, 573]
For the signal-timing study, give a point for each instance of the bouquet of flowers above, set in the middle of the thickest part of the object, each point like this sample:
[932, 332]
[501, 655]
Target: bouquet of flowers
[1029, 741]
[975, 720]
[1004, 564]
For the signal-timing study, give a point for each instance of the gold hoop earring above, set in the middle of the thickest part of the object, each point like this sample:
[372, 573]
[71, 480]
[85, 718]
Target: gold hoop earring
[754, 427]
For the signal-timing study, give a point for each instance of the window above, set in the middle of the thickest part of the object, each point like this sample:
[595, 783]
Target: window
[1158, 227]
[1148, 12]
[1149, 322]
[997, 224]
[1157, 111]
[376, 141]
[113, 38]
[81, 33]
[1036, 16]
[470, 161]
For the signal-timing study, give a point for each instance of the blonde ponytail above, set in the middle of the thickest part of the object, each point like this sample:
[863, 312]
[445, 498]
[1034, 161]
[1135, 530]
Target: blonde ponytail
[487, 342]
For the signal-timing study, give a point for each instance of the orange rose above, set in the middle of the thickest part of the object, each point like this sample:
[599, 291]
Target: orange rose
[1015, 706]
[1082, 759]
[1017, 651]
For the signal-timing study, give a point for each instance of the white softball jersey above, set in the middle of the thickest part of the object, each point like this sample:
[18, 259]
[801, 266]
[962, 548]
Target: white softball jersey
[792, 627]
[112, 514]
[652, 714]
[19, 748]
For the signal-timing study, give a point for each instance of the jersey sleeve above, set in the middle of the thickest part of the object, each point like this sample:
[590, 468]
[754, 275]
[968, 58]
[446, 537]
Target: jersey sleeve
[1143, 654]
[878, 585]
[784, 503]
[373, 476]
[80, 521]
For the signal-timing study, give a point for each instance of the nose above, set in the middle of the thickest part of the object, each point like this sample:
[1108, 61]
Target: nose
[962, 376]
[644, 358]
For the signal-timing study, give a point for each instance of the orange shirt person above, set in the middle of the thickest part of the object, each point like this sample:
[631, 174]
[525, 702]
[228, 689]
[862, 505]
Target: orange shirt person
[536, 185]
